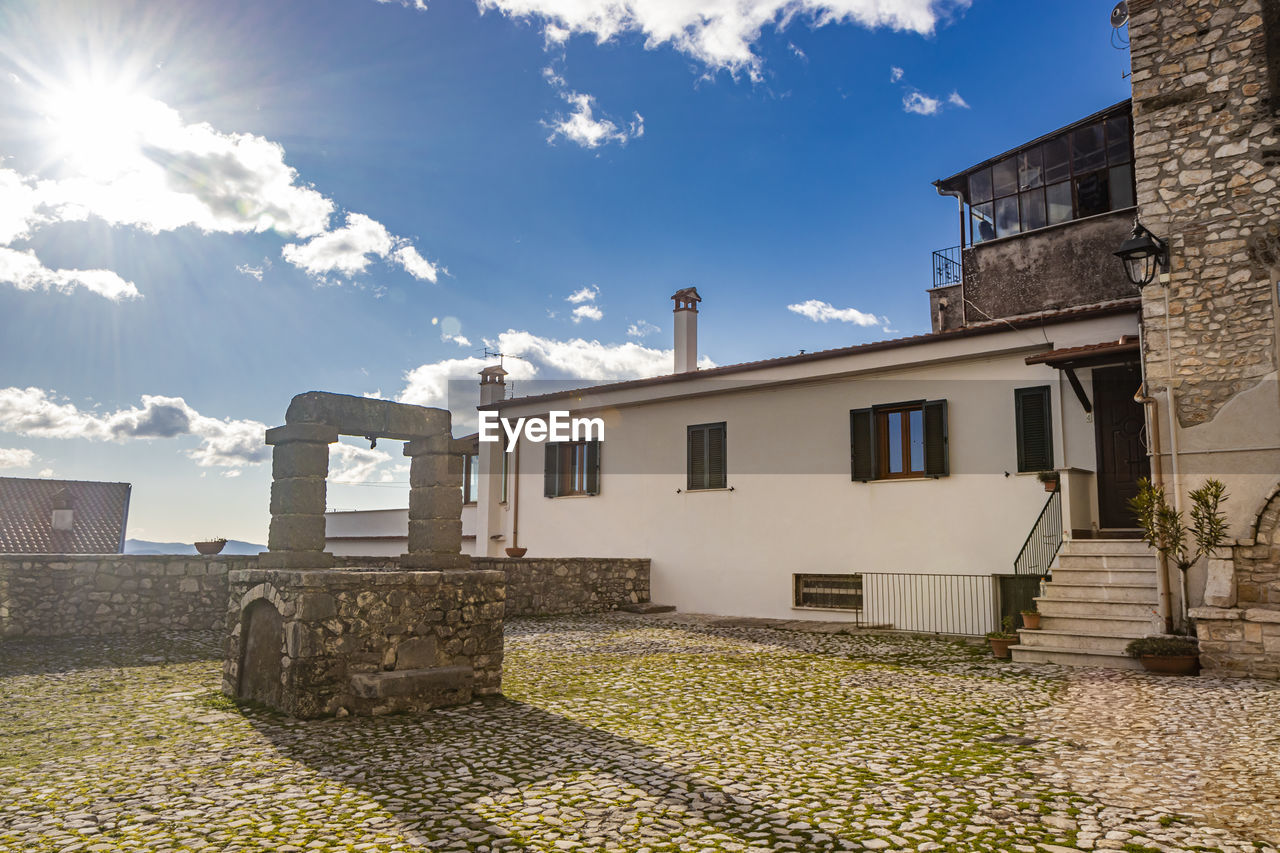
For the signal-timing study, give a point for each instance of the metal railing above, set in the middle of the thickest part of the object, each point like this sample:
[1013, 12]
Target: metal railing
[947, 267]
[1043, 541]
[966, 605]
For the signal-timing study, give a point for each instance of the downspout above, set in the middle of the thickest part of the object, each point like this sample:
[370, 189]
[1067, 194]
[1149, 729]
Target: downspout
[515, 496]
[958, 195]
[1157, 475]
[1174, 462]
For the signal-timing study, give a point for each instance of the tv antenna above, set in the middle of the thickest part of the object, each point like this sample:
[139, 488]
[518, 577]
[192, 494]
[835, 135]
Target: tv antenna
[493, 353]
[1119, 20]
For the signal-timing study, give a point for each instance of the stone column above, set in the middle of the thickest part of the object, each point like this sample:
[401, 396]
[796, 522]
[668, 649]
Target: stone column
[299, 466]
[435, 505]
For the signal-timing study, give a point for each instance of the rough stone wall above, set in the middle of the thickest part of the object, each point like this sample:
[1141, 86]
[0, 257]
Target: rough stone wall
[1055, 268]
[368, 641]
[1207, 157]
[558, 586]
[90, 595]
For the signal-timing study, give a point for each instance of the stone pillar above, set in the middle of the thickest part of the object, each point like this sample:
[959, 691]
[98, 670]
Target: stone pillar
[435, 505]
[299, 467]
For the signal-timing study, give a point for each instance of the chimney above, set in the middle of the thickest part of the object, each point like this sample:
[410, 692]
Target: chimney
[63, 515]
[686, 325]
[493, 385]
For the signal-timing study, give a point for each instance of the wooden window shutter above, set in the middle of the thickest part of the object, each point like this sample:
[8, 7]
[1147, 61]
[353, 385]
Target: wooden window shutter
[551, 473]
[1031, 408]
[936, 463]
[593, 467]
[697, 459]
[717, 475]
[862, 445]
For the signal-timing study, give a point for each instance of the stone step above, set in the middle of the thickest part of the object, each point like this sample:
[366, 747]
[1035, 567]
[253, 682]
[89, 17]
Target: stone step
[1073, 640]
[1130, 547]
[1100, 624]
[1059, 607]
[647, 607]
[1141, 593]
[1106, 561]
[1123, 577]
[1073, 657]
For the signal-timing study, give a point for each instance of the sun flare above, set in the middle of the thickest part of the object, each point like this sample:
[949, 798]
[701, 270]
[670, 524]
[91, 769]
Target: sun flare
[98, 128]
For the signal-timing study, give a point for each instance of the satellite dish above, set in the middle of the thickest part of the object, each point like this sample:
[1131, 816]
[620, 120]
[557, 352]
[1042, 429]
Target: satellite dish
[1120, 14]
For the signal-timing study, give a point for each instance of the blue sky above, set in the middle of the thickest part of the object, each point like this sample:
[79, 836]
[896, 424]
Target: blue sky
[208, 208]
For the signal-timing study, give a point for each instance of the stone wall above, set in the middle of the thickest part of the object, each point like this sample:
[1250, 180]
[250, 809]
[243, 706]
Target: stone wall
[1207, 158]
[557, 586]
[89, 595]
[345, 641]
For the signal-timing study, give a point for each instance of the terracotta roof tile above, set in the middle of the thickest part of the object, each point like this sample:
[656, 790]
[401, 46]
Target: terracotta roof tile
[100, 513]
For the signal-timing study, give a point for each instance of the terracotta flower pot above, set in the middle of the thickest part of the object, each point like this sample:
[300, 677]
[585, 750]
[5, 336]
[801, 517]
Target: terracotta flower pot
[209, 547]
[1050, 485]
[516, 552]
[1000, 646]
[1031, 620]
[1171, 664]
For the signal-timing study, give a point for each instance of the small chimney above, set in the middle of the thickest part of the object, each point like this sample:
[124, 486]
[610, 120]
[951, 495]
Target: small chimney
[493, 385]
[686, 325]
[63, 515]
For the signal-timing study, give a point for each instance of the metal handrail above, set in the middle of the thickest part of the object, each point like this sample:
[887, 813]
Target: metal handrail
[1044, 540]
[947, 267]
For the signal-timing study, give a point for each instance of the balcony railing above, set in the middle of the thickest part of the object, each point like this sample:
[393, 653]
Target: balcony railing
[946, 267]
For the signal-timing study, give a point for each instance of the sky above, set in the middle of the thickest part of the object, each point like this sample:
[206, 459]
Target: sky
[206, 209]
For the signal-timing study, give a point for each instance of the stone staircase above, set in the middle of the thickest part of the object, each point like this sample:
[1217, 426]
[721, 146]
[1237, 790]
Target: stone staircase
[1103, 594]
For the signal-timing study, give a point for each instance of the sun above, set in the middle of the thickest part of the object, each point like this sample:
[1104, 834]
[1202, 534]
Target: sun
[98, 128]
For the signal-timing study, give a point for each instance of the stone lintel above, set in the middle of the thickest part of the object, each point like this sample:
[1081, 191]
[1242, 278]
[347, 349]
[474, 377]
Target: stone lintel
[363, 416]
[313, 433]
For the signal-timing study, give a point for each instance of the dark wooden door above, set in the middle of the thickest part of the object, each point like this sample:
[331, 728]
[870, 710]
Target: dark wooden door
[1122, 456]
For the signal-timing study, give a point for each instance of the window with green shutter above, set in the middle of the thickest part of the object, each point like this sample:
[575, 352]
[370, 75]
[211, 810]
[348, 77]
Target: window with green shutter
[899, 441]
[707, 464]
[1031, 407]
[571, 468]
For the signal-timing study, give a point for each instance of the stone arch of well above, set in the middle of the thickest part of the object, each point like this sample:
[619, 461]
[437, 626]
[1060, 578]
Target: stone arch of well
[300, 468]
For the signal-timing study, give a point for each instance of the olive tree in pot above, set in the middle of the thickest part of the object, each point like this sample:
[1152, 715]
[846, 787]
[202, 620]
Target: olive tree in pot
[1165, 529]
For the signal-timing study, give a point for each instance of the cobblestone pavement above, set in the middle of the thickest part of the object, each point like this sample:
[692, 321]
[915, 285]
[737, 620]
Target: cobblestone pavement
[652, 733]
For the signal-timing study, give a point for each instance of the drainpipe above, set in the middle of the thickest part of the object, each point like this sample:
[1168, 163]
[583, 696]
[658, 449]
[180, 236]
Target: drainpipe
[1157, 475]
[1174, 462]
[958, 195]
[515, 496]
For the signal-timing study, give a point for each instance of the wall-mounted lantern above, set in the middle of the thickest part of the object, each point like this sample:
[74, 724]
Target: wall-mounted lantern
[1143, 255]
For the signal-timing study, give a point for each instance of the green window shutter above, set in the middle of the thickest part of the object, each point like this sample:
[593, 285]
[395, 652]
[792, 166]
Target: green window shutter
[551, 473]
[593, 467]
[697, 458]
[862, 445]
[1031, 408]
[936, 463]
[717, 473]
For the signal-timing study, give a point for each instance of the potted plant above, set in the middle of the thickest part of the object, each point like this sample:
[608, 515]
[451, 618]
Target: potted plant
[1050, 480]
[1004, 638]
[1165, 529]
[516, 552]
[209, 547]
[1167, 655]
[1031, 618]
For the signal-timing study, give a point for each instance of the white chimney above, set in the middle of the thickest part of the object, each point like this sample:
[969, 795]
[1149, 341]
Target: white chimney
[686, 325]
[493, 385]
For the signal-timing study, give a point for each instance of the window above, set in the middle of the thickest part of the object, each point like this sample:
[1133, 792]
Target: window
[832, 592]
[706, 461]
[1079, 173]
[470, 477]
[1035, 428]
[899, 441]
[572, 468]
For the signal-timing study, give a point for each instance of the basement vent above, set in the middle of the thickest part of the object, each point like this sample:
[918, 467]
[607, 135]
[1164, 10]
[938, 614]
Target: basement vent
[830, 592]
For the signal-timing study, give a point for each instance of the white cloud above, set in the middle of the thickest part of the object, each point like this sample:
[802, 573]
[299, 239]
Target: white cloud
[416, 265]
[13, 457]
[460, 340]
[226, 443]
[641, 328]
[345, 250]
[920, 104]
[721, 34]
[956, 101]
[586, 312]
[45, 472]
[582, 128]
[895, 74]
[823, 312]
[351, 464]
[586, 294]
[251, 271]
[24, 271]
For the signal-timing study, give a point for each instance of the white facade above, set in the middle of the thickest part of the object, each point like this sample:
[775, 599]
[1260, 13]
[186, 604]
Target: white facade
[382, 532]
[790, 505]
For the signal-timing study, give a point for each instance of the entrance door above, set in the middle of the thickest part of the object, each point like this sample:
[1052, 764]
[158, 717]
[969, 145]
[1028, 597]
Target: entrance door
[1122, 458]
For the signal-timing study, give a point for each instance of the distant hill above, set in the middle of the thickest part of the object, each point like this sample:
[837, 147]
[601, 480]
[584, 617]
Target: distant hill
[142, 546]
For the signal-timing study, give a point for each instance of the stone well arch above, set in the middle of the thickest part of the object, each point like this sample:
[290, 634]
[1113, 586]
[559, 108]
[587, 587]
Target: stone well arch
[300, 468]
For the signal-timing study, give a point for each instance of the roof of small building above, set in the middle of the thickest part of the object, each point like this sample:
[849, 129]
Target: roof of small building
[100, 513]
[1126, 345]
[1118, 306]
